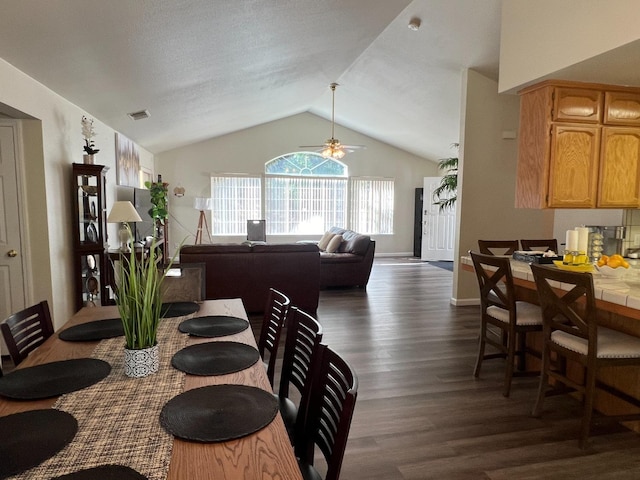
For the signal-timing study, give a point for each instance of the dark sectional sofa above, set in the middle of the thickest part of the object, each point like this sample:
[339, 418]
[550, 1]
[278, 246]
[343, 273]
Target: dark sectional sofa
[248, 271]
[350, 265]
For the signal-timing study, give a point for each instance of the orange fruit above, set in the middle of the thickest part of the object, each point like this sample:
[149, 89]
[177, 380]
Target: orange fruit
[625, 264]
[614, 262]
[603, 260]
[617, 256]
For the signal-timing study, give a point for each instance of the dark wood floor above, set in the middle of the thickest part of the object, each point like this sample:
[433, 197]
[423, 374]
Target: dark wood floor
[421, 414]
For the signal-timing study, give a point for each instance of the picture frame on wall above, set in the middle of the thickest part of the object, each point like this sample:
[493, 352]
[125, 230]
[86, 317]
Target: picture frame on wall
[146, 175]
[127, 162]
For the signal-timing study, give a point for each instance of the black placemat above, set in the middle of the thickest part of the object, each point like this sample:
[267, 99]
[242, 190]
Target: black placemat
[29, 438]
[104, 472]
[91, 331]
[178, 309]
[215, 358]
[213, 326]
[218, 413]
[53, 379]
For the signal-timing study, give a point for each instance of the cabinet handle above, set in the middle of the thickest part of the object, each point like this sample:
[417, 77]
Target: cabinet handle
[12, 253]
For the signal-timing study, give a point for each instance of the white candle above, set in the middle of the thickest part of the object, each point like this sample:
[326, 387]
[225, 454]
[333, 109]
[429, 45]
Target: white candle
[571, 242]
[583, 239]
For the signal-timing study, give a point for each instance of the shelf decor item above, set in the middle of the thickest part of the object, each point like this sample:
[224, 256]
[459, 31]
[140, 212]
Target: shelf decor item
[88, 132]
[139, 300]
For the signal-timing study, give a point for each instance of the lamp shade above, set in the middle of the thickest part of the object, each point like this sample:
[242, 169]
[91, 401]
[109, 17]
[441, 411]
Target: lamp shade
[123, 212]
[201, 203]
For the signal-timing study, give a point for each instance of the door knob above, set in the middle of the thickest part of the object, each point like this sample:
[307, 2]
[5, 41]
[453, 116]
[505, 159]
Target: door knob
[12, 253]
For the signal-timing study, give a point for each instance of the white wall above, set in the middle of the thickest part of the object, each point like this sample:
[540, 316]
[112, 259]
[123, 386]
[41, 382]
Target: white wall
[52, 142]
[540, 37]
[247, 151]
[486, 186]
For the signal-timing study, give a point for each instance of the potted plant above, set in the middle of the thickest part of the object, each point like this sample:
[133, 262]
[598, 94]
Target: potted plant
[139, 303]
[88, 133]
[446, 193]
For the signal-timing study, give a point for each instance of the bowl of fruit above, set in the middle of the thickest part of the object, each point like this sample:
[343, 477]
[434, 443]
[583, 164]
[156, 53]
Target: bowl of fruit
[612, 266]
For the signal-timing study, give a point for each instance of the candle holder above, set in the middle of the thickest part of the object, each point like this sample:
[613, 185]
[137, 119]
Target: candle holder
[567, 258]
[580, 257]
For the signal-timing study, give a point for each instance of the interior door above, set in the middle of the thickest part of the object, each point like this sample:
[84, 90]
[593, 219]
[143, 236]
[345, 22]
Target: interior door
[438, 228]
[12, 289]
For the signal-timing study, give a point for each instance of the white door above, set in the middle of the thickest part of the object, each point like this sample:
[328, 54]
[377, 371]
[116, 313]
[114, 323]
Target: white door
[12, 288]
[438, 228]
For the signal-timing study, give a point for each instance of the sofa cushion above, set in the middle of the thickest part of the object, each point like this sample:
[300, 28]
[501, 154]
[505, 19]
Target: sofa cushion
[324, 241]
[355, 243]
[326, 258]
[334, 244]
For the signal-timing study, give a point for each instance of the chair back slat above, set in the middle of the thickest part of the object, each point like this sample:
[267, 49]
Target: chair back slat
[26, 330]
[543, 245]
[498, 247]
[332, 403]
[495, 281]
[275, 315]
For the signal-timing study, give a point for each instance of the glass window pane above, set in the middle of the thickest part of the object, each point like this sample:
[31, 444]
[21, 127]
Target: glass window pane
[371, 209]
[235, 200]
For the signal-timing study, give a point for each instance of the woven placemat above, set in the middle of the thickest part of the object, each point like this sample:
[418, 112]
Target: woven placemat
[213, 326]
[178, 309]
[92, 331]
[53, 379]
[218, 413]
[104, 472]
[29, 438]
[215, 358]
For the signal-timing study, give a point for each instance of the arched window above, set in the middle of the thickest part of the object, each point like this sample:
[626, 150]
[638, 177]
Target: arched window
[305, 193]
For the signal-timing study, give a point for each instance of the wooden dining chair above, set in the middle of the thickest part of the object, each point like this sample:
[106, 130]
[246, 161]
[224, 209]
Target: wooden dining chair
[571, 333]
[26, 330]
[543, 245]
[498, 247]
[304, 335]
[513, 318]
[275, 315]
[332, 400]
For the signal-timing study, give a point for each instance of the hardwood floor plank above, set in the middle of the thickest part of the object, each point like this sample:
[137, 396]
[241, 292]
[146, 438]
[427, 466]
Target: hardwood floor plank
[421, 414]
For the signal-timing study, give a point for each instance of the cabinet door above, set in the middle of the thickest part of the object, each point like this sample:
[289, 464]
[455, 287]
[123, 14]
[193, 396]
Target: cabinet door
[577, 105]
[573, 175]
[622, 108]
[619, 168]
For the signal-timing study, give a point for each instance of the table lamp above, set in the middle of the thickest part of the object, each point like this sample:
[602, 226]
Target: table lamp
[124, 212]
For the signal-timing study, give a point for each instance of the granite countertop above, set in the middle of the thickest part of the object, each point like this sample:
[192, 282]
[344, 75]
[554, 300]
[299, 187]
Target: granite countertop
[623, 291]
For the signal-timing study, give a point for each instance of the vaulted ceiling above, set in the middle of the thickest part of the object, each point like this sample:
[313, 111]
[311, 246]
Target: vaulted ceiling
[204, 68]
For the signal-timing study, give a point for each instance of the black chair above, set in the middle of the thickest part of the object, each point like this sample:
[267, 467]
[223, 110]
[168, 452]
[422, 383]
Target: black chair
[304, 335]
[513, 319]
[571, 332]
[275, 314]
[26, 330]
[498, 247]
[542, 245]
[332, 400]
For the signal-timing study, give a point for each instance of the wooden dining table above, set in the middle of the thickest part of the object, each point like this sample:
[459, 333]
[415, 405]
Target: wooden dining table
[265, 454]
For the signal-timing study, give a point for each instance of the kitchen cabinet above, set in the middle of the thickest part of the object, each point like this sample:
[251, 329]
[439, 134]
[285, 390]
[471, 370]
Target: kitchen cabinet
[579, 146]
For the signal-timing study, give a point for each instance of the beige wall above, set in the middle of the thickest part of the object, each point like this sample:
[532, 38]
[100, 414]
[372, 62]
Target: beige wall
[52, 142]
[487, 178]
[247, 151]
[540, 37]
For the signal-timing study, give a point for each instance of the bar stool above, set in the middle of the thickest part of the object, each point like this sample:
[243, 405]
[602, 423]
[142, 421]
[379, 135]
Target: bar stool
[571, 332]
[514, 319]
[543, 245]
[503, 247]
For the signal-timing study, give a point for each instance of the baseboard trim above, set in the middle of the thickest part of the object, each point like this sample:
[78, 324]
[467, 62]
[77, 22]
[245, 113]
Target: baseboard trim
[464, 302]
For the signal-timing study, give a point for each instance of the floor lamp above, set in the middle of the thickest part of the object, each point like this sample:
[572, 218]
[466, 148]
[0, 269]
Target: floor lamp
[203, 204]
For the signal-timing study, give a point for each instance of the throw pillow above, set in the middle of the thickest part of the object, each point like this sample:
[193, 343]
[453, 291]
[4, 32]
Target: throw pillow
[324, 241]
[334, 244]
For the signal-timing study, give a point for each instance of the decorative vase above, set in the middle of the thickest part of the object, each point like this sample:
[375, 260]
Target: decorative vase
[88, 159]
[141, 363]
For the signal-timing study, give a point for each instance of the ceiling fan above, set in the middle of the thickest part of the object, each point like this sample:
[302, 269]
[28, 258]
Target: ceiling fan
[332, 147]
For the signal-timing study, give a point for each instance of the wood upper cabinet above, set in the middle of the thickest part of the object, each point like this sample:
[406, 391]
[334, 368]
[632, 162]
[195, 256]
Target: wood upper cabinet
[573, 166]
[569, 156]
[619, 168]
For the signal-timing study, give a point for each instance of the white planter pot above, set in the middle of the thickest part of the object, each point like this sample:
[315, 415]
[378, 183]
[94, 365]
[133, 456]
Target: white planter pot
[88, 159]
[140, 363]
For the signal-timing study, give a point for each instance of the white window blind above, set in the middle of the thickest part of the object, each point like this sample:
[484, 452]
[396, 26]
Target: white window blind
[371, 205]
[235, 200]
[310, 205]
